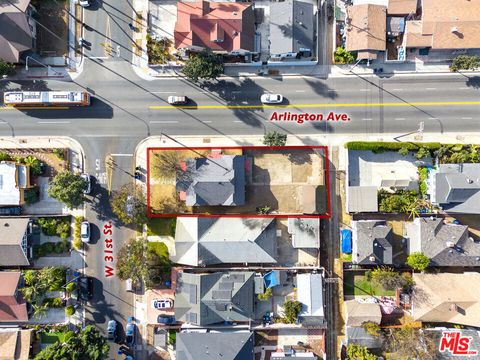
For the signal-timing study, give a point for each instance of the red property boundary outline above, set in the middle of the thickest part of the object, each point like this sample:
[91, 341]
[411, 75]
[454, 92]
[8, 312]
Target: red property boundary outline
[170, 215]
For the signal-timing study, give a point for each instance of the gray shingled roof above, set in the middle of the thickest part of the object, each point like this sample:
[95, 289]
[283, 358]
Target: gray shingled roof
[215, 346]
[206, 299]
[15, 33]
[371, 238]
[359, 336]
[430, 237]
[12, 231]
[206, 241]
[292, 26]
[216, 181]
[457, 188]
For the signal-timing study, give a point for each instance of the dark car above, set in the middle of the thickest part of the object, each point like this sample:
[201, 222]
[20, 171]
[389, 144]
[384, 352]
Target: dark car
[112, 331]
[11, 210]
[85, 288]
[130, 332]
[166, 320]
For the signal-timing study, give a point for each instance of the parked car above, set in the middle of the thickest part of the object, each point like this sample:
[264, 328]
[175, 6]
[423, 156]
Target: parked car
[177, 100]
[85, 231]
[85, 288]
[166, 320]
[130, 332]
[162, 303]
[11, 210]
[84, 3]
[112, 331]
[88, 189]
[271, 99]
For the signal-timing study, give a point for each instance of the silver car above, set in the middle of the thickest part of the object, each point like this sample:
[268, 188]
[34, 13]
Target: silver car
[85, 232]
[271, 99]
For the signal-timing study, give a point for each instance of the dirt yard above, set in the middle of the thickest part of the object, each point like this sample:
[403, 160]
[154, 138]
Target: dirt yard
[54, 14]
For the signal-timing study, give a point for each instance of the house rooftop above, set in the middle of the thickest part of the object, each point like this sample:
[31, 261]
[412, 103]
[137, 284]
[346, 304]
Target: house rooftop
[305, 232]
[371, 242]
[12, 246]
[402, 7]
[366, 27]
[361, 312]
[362, 199]
[13, 308]
[310, 294]
[15, 343]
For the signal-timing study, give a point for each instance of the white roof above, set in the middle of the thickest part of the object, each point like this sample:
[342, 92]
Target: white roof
[310, 294]
[9, 191]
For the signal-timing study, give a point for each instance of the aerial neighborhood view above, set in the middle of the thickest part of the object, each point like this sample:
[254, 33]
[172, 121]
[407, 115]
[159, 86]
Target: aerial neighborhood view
[239, 180]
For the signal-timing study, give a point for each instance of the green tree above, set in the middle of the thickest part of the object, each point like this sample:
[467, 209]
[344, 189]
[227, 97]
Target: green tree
[87, 345]
[342, 56]
[132, 260]
[204, 65]
[372, 328]
[465, 62]
[128, 203]
[418, 261]
[39, 310]
[70, 287]
[274, 138]
[422, 153]
[69, 310]
[291, 309]
[410, 343]
[358, 352]
[68, 188]
[387, 278]
[6, 68]
[403, 151]
[267, 295]
[34, 163]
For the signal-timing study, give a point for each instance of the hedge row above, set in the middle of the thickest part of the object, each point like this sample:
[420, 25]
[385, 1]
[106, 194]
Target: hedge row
[377, 146]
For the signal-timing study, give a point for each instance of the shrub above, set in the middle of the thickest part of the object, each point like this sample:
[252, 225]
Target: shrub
[372, 328]
[422, 153]
[398, 202]
[53, 302]
[60, 153]
[274, 138]
[6, 68]
[291, 310]
[69, 310]
[342, 56]
[5, 157]
[358, 352]
[55, 226]
[77, 240]
[387, 278]
[403, 151]
[377, 146]
[418, 261]
[266, 295]
[32, 195]
[70, 287]
[158, 50]
[465, 62]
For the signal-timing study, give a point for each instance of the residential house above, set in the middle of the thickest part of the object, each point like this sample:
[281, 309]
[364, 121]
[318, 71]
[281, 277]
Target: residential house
[445, 244]
[447, 298]
[362, 199]
[292, 27]
[359, 336]
[236, 345]
[15, 343]
[371, 243]
[366, 30]
[213, 181]
[16, 30]
[359, 313]
[310, 294]
[305, 232]
[291, 354]
[207, 241]
[13, 308]
[14, 180]
[222, 27]
[402, 7]
[444, 25]
[455, 188]
[14, 247]
[214, 298]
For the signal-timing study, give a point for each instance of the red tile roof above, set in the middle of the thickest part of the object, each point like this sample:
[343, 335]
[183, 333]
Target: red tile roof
[216, 25]
[12, 305]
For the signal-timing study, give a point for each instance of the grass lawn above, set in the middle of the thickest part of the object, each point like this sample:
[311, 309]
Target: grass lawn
[359, 285]
[161, 226]
[172, 337]
[52, 338]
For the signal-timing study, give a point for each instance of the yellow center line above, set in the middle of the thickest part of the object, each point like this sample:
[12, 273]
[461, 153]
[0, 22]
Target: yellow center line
[397, 104]
[34, 108]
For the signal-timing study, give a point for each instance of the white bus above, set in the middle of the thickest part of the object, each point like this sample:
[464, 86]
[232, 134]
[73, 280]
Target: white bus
[46, 98]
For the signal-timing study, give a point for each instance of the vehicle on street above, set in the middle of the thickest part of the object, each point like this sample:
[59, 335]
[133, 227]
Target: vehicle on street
[46, 98]
[85, 231]
[177, 100]
[85, 288]
[162, 303]
[271, 99]
[86, 177]
[166, 320]
[112, 331]
[84, 3]
[130, 332]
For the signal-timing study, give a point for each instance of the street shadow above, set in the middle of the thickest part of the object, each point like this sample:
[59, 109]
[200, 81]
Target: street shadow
[101, 206]
[322, 89]
[474, 82]
[98, 109]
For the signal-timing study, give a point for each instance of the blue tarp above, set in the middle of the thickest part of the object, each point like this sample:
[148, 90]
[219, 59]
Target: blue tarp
[271, 279]
[346, 241]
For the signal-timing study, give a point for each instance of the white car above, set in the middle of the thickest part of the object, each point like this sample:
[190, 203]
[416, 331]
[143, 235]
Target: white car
[84, 3]
[162, 304]
[85, 232]
[177, 100]
[271, 99]
[86, 177]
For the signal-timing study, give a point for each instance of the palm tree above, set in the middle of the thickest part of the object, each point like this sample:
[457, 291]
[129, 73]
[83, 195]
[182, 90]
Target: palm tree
[39, 311]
